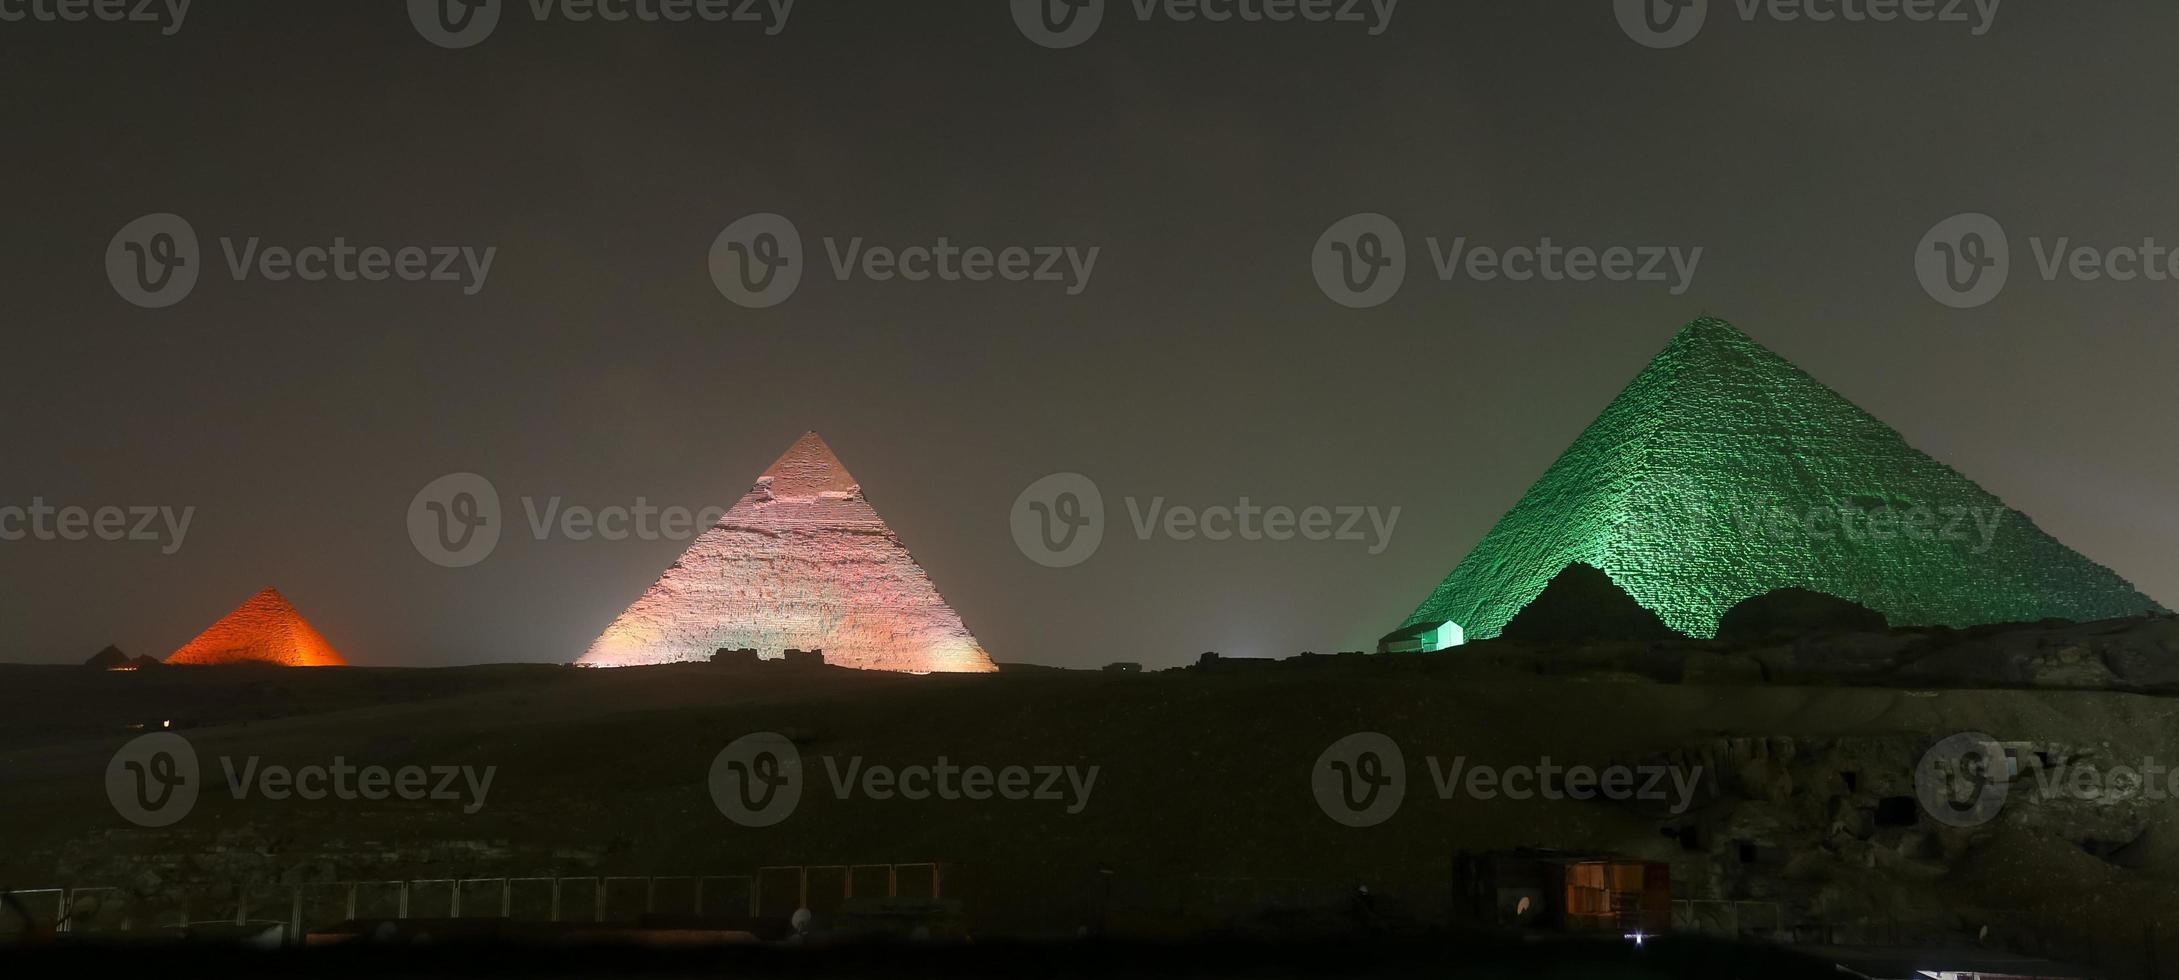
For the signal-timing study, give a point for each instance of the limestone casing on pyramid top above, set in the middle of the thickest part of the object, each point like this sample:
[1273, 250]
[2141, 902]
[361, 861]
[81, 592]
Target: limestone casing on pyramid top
[1724, 472]
[808, 469]
[802, 562]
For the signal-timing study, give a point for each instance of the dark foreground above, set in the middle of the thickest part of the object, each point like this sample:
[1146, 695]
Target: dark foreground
[1608, 958]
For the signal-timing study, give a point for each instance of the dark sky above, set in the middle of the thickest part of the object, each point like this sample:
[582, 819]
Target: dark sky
[1202, 364]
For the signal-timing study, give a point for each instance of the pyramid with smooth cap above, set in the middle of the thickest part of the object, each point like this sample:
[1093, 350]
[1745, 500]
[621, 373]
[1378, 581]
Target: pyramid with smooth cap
[801, 562]
[1724, 472]
[267, 630]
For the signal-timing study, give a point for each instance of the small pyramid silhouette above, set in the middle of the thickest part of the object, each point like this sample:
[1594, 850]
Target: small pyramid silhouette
[111, 658]
[801, 562]
[266, 629]
[1724, 472]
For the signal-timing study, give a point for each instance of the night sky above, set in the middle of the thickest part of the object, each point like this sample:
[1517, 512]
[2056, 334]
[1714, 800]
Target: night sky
[600, 363]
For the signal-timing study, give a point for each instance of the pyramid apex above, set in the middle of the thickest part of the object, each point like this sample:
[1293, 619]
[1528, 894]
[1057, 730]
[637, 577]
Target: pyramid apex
[807, 469]
[1712, 328]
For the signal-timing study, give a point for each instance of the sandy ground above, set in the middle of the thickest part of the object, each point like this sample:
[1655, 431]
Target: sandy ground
[1198, 773]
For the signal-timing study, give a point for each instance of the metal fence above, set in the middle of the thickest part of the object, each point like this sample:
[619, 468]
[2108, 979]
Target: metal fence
[771, 891]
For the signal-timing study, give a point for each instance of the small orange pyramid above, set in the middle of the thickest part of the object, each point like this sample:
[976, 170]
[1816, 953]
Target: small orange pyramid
[267, 629]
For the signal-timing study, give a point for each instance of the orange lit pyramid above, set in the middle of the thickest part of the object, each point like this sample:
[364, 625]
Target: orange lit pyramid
[266, 629]
[801, 562]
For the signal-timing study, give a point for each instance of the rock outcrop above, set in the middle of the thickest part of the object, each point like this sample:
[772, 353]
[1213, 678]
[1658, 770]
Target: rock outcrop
[1583, 605]
[1787, 613]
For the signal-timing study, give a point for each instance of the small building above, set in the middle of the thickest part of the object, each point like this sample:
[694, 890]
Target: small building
[1423, 638]
[1564, 891]
[805, 659]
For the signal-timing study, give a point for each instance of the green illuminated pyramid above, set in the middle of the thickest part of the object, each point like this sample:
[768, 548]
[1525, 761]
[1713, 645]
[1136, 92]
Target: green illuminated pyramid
[1723, 472]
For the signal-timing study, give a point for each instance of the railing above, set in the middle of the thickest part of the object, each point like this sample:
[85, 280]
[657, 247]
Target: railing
[581, 899]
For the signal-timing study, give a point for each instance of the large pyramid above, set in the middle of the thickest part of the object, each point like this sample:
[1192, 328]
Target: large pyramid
[266, 629]
[801, 562]
[1724, 472]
